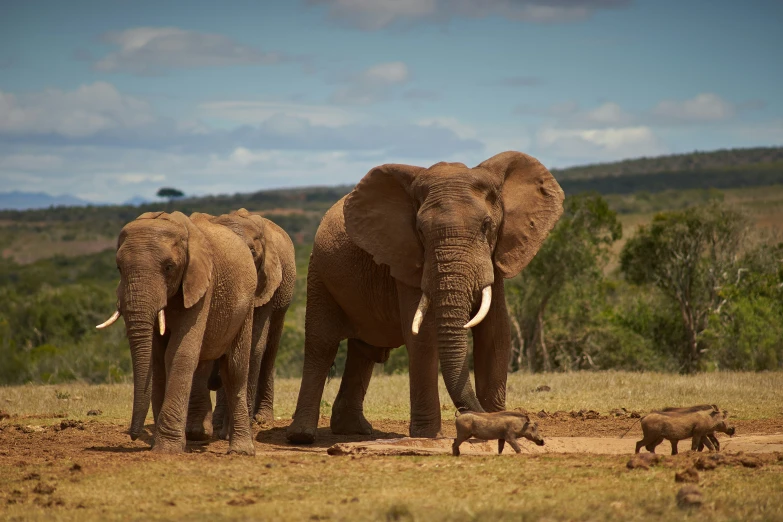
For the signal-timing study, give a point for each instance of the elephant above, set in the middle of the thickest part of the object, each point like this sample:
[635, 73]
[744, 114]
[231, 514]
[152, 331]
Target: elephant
[408, 257]
[199, 280]
[273, 255]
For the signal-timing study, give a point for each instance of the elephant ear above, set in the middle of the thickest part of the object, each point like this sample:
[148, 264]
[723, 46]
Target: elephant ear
[270, 273]
[532, 204]
[198, 272]
[380, 218]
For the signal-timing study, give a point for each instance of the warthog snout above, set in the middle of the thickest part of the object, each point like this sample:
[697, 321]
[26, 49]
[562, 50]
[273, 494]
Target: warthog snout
[730, 431]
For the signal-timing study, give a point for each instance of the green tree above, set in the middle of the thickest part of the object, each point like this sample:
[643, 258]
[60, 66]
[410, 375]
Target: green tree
[170, 193]
[576, 250]
[688, 255]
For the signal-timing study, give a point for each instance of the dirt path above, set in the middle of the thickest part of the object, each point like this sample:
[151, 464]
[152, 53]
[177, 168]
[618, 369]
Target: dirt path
[25, 441]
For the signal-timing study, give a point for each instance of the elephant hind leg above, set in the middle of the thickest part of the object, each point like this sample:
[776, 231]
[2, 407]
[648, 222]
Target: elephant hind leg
[324, 329]
[263, 406]
[235, 368]
[348, 410]
[199, 421]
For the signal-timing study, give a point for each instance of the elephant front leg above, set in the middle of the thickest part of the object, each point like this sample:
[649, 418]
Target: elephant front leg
[348, 410]
[235, 368]
[199, 420]
[492, 350]
[422, 366]
[170, 426]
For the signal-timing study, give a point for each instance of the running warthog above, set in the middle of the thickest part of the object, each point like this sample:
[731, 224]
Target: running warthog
[675, 426]
[501, 425]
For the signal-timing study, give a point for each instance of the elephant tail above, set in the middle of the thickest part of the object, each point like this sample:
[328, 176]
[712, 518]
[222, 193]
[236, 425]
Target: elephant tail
[215, 382]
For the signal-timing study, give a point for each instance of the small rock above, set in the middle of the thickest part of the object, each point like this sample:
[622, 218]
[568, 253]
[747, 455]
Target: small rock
[32, 429]
[94, 413]
[689, 496]
[687, 475]
[643, 461]
[241, 501]
[44, 489]
[750, 462]
[542, 414]
[76, 467]
[32, 476]
[4, 415]
[64, 425]
[636, 415]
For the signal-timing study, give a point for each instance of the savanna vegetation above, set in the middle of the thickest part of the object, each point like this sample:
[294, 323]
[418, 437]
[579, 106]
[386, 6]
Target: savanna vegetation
[638, 279]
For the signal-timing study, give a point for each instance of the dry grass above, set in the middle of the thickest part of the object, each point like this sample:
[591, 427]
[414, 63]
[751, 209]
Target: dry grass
[746, 395]
[121, 480]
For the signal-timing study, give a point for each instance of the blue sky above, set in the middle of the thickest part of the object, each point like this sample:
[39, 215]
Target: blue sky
[108, 100]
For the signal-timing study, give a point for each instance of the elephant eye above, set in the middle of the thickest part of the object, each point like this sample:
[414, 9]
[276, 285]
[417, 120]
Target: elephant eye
[486, 226]
[168, 267]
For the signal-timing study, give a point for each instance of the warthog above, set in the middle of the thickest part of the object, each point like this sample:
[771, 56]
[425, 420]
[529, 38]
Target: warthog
[699, 407]
[501, 425]
[678, 425]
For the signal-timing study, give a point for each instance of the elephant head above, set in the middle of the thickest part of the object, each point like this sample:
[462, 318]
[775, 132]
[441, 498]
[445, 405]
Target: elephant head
[449, 230]
[252, 229]
[159, 255]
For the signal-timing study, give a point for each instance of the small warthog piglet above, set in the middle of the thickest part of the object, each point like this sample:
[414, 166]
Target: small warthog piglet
[501, 425]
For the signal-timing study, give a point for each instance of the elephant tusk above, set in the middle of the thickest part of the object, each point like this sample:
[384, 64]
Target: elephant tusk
[161, 322]
[424, 303]
[110, 321]
[486, 300]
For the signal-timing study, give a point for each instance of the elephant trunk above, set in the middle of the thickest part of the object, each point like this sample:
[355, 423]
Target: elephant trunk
[140, 307]
[452, 306]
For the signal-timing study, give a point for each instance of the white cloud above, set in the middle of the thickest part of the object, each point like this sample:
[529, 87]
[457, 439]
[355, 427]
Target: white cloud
[85, 111]
[254, 112]
[612, 143]
[372, 85]
[134, 178]
[608, 113]
[376, 14]
[152, 50]
[372, 15]
[459, 128]
[30, 162]
[703, 108]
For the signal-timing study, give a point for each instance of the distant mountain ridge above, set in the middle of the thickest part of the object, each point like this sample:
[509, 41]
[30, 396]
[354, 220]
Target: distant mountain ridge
[688, 162]
[18, 200]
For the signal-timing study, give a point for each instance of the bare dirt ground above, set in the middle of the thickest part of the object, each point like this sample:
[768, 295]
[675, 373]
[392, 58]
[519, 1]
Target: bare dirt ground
[93, 442]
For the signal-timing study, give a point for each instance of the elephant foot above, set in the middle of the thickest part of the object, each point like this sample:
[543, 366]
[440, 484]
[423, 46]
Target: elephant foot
[264, 417]
[242, 448]
[300, 433]
[199, 433]
[167, 447]
[345, 422]
[223, 433]
[426, 431]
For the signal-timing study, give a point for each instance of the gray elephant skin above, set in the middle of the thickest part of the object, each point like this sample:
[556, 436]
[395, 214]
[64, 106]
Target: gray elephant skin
[409, 257]
[273, 255]
[186, 292]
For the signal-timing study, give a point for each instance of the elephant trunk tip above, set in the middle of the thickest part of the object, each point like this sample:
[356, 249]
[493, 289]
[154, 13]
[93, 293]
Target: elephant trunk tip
[134, 434]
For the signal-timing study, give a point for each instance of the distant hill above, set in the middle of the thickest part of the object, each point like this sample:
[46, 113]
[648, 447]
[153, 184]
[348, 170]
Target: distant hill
[690, 162]
[18, 200]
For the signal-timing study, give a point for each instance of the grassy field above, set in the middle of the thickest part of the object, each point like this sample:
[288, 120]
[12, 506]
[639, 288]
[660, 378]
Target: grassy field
[92, 471]
[745, 395]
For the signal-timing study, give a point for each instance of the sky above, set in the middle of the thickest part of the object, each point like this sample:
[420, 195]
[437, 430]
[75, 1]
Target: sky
[111, 100]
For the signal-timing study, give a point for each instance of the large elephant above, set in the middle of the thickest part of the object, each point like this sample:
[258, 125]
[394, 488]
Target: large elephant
[273, 255]
[407, 258]
[199, 280]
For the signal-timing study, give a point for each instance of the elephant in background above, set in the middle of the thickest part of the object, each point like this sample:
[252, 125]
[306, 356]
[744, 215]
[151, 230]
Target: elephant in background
[273, 255]
[408, 257]
[199, 280]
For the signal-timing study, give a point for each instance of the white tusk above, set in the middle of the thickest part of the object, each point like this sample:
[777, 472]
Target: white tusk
[161, 322]
[424, 303]
[110, 321]
[486, 300]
